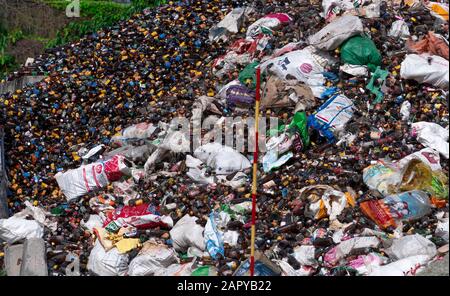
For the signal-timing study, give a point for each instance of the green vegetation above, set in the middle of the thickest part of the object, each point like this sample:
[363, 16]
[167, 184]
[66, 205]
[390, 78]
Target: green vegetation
[94, 16]
[7, 62]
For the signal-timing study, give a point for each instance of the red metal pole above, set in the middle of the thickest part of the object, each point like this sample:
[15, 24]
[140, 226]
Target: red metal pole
[255, 168]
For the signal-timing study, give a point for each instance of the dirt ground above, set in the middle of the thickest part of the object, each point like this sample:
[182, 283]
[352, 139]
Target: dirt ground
[34, 19]
[26, 48]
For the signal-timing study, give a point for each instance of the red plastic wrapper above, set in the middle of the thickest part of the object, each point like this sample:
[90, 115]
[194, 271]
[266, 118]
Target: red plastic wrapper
[115, 167]
[282, 17]
[432, 44]
[143, 216]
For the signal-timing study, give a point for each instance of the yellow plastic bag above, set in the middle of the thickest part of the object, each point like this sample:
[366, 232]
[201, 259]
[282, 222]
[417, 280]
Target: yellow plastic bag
[127, 244]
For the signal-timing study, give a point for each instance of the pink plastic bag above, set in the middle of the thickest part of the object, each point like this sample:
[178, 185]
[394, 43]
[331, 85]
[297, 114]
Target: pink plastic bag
[282, 17]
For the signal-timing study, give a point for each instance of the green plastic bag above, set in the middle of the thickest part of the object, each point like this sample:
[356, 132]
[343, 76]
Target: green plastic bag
[235, 215]
[376, 89]
[361, 51]
[184, 256]
[298, 124]
[201, 271]
[249, 74]
[439, 185]
[58, 211]
[204, 271]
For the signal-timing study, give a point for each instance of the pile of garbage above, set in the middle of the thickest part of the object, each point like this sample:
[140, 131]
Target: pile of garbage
[353, 181]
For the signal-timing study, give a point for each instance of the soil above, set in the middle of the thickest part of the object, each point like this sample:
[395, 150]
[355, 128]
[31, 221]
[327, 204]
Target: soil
[33, 18]
[25, 48]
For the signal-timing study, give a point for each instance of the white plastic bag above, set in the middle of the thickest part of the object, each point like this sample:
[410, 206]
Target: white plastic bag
[427, 155]
[201, 104]
[405, 110]
[268, 22]
[288, 270]
[176, 270]
[141, 130]
[365, 264]
[187, 233]
[272, 160]
[134, 153]
[331, 8]
[337, 113]
[16, 228]
[231, 237]
[231, 23]
[372, 10]
[354, 70]
[399, 29]
[347, 246]
[382, 177]
[93, 222]
[151, 258]
[425, 68]
[225, 160]
[194, 252]
[442, 229]
[402, 267]
[335, 33]
[176, 141]
[242, 208]
[411, 245]
[335, 202]
[432, 135]
[276, 147]
[334, 255]
[39, 215]
[305, 65]
[110, 263]
[305, 255]
[197, 170]
[239, 180]
[331, 118]
[323, 201]
[77, 182]
[157, 156]
[281, 143]
[95, 150]
[366, 8]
